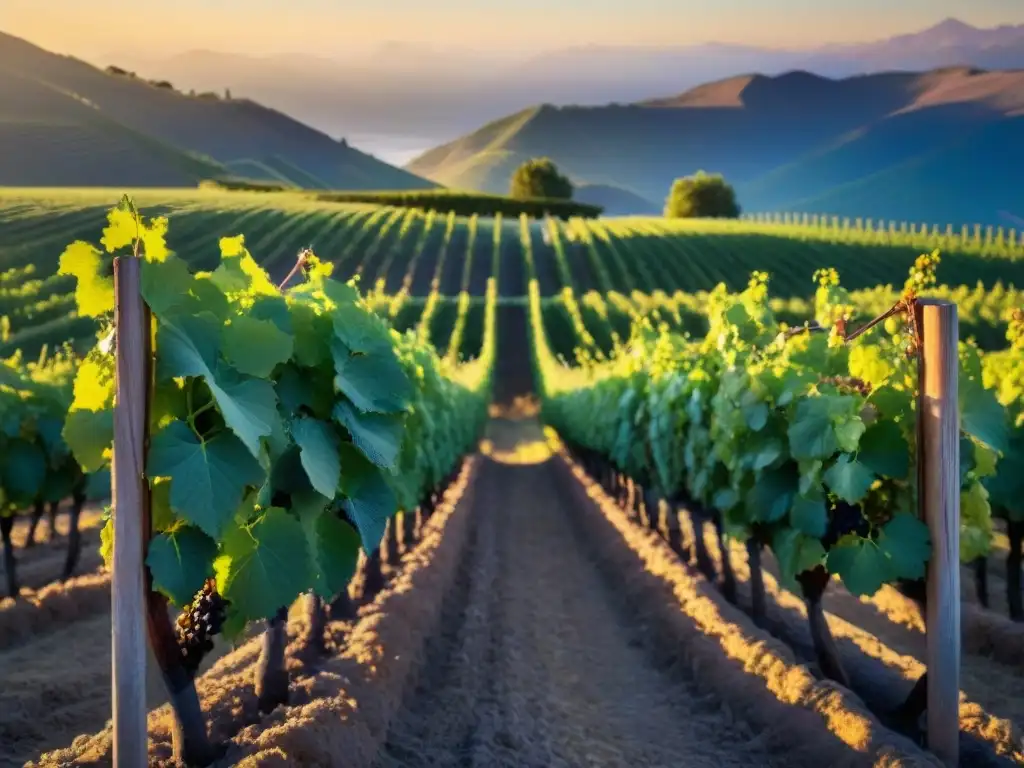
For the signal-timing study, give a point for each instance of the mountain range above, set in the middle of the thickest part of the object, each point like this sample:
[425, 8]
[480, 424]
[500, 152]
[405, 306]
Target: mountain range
[64, 122]
[445, 92]
[941, 146]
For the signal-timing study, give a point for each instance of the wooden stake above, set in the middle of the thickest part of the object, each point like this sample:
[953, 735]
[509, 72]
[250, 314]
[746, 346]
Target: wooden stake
[938, 423]
[128, 591]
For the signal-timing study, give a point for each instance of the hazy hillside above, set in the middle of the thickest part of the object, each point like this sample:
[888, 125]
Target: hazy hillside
[787, 142]
[64, 122]
[432, 93]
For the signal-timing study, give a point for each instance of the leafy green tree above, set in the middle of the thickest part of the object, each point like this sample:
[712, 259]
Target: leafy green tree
[539, 177]
[704, 196]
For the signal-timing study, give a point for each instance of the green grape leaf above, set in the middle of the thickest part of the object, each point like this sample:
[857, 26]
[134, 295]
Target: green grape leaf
[892, 403]
[809, 514]
[312, 334]
[373, 382]
[361, 331]
[255, 347]
[377, 435]
[97, 485]
[319, 454]
[249, 407]
[905, 540]
[368, 498]
[849, 479]
[188, 345]
[796, 553]
[811, 433]
[166, 285]
[755, 412]
[210, 297]
[861, 565]
[773, 492]
[885, 451]
[264, 566]
[333, 542]
[180, 561]
[238, 271]
[90, 435]
[981, 415]
[208, 480]
[161, 516]
[94, 291]
[24, 470]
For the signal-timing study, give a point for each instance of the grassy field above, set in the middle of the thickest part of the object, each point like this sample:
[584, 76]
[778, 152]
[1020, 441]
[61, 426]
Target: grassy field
[602, 271]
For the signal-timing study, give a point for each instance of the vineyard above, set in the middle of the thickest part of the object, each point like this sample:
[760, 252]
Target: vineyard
[415, 489]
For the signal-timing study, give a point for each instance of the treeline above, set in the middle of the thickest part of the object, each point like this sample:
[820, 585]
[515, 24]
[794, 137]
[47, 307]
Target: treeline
[469, 203]
[437, 200]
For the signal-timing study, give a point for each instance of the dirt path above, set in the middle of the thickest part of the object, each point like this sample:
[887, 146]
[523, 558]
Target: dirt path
[538, 663]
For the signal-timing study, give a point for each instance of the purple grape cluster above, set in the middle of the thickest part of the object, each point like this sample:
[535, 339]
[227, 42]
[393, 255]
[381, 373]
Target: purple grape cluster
[198, 624]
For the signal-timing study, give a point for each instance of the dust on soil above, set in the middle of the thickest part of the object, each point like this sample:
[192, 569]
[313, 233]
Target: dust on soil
[536, 664]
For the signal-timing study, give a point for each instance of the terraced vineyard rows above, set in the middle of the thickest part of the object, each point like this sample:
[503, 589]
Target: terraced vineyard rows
[611, 647]
[405, 251]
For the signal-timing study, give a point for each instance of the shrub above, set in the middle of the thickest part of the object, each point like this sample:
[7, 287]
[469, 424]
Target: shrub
[468, 203]
[539, 177]
[702, 196]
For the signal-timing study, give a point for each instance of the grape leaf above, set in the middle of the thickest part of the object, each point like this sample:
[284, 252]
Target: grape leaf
[907, 543]
[333, 542]
[860, 564]
[373, 382]
[809, 515]
[849, 479]
[90, 435]
[165, 286]
[362, 332]
[319, 454]
[263, 566]
[187, 345]
[378, 436]
[981, 415]
[796, 553]
[94, 291]
[208, 480]
[811, 433]
[24, 470]
[885, 451]
[256, 347]
[368, 499]
[180, 561]
[773, 492]
[249, 407]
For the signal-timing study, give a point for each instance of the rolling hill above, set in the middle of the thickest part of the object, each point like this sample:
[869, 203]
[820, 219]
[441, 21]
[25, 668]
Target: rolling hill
[794, 142]
[65, 123]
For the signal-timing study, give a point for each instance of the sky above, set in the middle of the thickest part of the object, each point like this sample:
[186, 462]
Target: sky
[332, 28]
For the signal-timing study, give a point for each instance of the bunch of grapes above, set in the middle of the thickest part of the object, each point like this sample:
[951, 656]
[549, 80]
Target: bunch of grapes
[848, 384]
[197, 625]
[844, 518]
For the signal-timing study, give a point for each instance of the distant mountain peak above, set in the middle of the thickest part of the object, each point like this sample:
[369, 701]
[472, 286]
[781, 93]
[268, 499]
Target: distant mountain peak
[951, 24]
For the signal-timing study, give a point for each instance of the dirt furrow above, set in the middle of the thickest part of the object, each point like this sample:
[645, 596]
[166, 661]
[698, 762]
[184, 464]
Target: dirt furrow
[540, 667]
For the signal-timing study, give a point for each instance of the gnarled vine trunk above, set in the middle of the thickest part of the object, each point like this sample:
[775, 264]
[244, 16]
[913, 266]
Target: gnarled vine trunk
[74, 537]
[10, 564]
[1014, 597]
[271, 675]
[757, 596]
[314, 643]
[37, 514]
[813, 584]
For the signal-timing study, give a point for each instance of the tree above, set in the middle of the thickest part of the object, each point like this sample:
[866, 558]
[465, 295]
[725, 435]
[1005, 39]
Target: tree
[702, 196]
[539, 177]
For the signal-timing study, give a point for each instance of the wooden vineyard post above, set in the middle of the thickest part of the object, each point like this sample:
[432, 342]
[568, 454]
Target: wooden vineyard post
[127, 586]
[938, 424]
